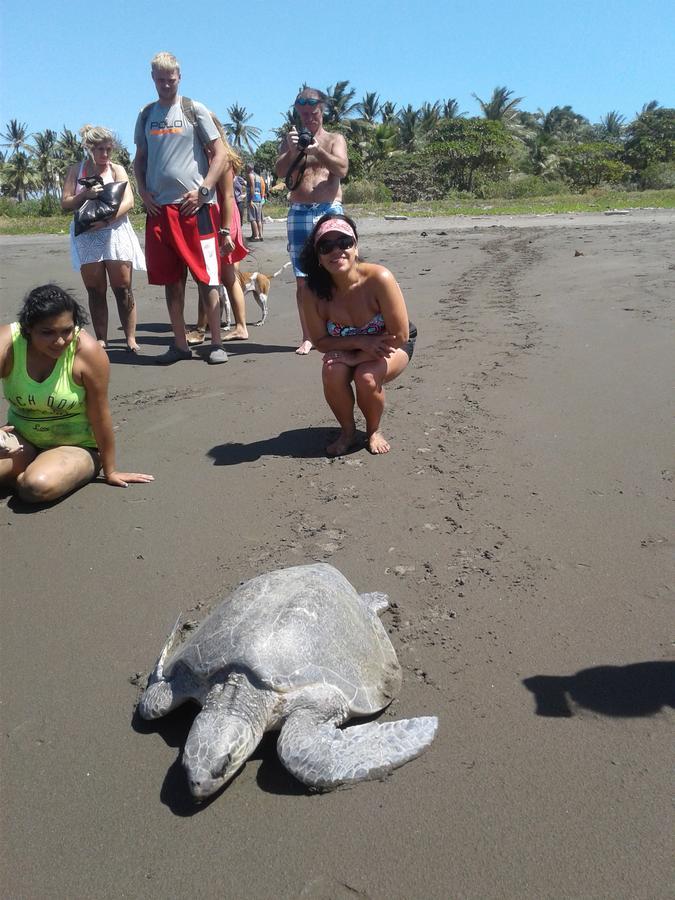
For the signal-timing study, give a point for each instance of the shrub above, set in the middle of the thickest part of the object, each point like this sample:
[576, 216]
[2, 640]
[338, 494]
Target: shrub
[593, 163]
[410, 177]
[658, 176]
[518, 188]
[366, 192]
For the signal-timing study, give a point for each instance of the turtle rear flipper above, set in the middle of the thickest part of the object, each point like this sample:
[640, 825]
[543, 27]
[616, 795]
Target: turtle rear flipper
[323, 756]
[159, 697]
[375, 601]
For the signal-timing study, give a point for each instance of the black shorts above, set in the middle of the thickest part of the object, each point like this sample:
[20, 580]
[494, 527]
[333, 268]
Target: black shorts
[409, 346]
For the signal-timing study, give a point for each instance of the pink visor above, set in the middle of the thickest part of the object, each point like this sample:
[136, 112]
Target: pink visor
[334, 225]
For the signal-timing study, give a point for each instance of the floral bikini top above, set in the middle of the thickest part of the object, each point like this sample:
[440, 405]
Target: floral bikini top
[375, 326]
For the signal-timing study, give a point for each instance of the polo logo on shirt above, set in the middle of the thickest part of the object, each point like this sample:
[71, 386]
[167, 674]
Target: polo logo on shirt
[166, 127]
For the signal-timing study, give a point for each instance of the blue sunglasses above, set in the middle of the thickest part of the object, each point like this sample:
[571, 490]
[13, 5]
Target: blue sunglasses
[307, 101]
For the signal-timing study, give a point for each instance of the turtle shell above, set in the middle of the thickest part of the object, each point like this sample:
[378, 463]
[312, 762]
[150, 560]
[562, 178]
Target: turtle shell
[295, 627]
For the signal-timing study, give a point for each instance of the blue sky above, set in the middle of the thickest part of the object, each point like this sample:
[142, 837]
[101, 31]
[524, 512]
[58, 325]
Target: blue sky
[75, 63]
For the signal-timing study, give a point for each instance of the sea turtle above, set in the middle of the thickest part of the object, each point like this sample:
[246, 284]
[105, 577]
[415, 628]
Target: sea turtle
[296, 649]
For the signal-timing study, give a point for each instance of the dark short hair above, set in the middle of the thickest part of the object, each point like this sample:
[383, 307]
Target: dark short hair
[47, 301]
[318, 279]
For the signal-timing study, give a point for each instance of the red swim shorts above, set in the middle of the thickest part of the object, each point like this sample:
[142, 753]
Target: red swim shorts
[173, 242]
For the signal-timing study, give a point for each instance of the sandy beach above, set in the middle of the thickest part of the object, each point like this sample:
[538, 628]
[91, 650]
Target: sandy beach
[521, 524]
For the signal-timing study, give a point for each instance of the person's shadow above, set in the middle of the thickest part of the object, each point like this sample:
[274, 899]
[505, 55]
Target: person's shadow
[639, 689]
[300, 443]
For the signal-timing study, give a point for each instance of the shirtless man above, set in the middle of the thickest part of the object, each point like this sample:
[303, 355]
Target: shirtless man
[315, 174]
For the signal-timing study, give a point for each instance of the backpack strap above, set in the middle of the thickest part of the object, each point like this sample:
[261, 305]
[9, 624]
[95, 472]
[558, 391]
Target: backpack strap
[188, 107]
[190, 113]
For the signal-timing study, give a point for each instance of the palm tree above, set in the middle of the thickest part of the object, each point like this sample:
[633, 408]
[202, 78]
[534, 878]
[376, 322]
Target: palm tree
[15, 136]
[388, 112]
[46, 161]
[408, 127]
[369, 107]
[339, 103]
[652, 106]
[241, 133]
[70, 147]
[612, 125]
[450, 109]
[501, 107]
[428, 116]
[290, 121]
[563, 123]
[18, 176]
[383, 142]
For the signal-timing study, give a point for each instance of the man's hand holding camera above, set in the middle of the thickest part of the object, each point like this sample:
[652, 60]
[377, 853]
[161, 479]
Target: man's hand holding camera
[302, 140]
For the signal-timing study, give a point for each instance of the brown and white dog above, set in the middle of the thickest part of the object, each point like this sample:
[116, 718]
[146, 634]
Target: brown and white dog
[255, 283]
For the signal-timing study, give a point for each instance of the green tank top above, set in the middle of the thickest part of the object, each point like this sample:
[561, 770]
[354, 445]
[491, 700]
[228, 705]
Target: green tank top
[49, 413]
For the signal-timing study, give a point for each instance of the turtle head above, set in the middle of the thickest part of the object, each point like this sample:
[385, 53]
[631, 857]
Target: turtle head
[217, 747]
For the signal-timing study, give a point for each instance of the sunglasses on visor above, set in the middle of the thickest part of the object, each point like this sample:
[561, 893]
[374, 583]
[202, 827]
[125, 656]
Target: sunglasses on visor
[327, 245]
[307, 101]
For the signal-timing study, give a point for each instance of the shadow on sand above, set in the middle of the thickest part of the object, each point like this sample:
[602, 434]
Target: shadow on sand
[639, 689]
[175, 793]
[299, 443]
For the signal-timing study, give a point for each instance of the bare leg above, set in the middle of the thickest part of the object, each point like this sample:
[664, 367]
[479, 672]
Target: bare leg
[175, 302]
[119, 274]
[12, 466]
[237, 301]
[96, 283]
[211, 299]
[339, 395]
[55, 473]
[369, 378]
[306, 344]
[202, 318]
[255, 230]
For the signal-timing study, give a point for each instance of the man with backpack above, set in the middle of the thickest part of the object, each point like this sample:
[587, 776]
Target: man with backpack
[179, 159]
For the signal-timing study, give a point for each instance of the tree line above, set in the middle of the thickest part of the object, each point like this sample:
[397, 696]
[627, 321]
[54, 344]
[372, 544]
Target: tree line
[408, 154]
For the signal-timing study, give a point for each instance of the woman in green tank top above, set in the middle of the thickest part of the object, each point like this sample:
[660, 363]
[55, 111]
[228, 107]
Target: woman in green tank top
[55, 379]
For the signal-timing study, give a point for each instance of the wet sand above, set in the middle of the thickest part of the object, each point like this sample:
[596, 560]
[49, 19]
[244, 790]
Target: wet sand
[520, 526]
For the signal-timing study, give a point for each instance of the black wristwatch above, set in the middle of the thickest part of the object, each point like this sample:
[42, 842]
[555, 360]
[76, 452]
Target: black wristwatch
[204, 192]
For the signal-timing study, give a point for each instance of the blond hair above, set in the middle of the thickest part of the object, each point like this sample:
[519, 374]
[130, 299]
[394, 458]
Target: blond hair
[232, 156]
[164, 62]
[92, 135]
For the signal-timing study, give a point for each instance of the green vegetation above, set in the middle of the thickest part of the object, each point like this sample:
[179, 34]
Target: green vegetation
[362, 207]
[427, 161]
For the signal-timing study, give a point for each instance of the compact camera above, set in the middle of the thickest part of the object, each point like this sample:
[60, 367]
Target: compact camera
[305, 138]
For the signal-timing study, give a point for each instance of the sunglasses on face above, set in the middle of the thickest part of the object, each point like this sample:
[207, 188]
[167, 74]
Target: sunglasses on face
[307, 101]
[327, 245]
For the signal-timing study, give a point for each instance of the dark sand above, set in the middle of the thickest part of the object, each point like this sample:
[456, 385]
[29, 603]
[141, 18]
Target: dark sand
[520, 525]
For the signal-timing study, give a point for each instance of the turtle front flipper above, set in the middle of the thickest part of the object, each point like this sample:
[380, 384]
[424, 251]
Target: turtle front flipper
[323, 756]
[159, 696]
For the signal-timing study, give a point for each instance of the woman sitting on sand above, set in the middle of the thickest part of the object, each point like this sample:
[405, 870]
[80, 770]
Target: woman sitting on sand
[109, 250]
[356, 314]
[55, 379]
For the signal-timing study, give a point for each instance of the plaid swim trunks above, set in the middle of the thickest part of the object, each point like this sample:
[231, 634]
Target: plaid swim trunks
[302, 217]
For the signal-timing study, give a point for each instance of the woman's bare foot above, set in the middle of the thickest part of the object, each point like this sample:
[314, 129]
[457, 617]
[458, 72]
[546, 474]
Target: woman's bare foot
[377, 443]
[132, 346]
[344, 443]
[237, 334]
[304, 348]
[101, 343]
